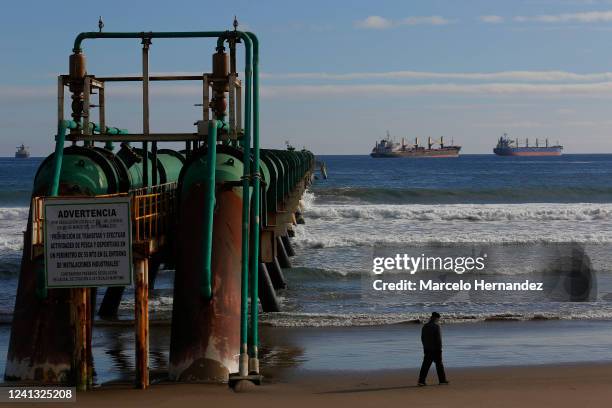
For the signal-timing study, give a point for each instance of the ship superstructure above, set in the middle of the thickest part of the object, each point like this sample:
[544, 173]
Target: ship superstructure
[22, 152]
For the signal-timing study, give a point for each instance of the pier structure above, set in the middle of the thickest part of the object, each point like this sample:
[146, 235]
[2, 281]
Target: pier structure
[221, 211]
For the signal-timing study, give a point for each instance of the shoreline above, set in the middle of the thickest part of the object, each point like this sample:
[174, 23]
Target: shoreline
[300, 351]
[565, 385]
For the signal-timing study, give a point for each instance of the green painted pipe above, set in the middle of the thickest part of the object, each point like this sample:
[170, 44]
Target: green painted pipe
[94, 127]
[110, 131]
[256, 177]
[116, 131]
[62, 126]
[209, 207]
[168, 34]
[246, 144]
[60, 139]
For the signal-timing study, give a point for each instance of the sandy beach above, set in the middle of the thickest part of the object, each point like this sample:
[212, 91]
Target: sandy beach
[489, 364]
[537, 386]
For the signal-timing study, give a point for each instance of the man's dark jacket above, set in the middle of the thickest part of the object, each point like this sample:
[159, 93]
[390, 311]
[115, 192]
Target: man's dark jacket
[430, 337]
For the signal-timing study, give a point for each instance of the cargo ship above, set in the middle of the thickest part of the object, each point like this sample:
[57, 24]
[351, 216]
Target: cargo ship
[22, 152]
[507, 147]
[388, 148]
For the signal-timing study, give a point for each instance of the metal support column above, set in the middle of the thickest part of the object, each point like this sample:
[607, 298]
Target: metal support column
[146, 42]
[79, 319]
[141, 306]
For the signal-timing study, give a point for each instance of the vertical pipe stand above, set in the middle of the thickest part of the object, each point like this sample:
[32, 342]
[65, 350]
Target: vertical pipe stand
[141, 304]
[80, 319]
[146, 42]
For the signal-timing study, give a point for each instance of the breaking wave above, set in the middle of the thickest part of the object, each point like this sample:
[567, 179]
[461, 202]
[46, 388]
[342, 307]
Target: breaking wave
[297, 319]
[465, 212]
[14, 214]
[369, 195]
[12, 224]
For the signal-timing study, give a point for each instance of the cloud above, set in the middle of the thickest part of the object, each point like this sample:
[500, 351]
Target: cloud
[525, 124]
[382, 23]
[431, 20]
[530, 76]
[374, 23]
[582, 17]
[540, 125]
[538, 83]
[492, 19]
[491, 89]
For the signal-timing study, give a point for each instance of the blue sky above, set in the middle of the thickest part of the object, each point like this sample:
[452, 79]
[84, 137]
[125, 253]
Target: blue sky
[336, 74]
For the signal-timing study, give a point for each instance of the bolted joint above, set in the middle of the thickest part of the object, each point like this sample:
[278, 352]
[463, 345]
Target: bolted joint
[146, 41]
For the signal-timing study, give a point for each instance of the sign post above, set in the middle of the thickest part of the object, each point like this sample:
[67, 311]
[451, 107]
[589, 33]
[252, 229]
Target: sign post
[88, 244]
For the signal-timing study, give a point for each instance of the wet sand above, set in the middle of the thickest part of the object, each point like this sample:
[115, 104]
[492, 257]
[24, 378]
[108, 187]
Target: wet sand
[585, 385]
[292, 353]
[378, 366]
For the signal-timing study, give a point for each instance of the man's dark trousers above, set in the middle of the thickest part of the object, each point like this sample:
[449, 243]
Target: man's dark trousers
[432, 356]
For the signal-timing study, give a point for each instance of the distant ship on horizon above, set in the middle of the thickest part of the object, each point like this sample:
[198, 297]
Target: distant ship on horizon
[508, 147]
[387, 148]
[22, 152]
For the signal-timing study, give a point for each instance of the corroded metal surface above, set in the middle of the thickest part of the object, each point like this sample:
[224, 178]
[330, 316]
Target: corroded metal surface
[205, 337]
[141, 313]
[41, 346]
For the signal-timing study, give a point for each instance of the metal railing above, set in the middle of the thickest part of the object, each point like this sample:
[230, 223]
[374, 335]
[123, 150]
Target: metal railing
[153, 211]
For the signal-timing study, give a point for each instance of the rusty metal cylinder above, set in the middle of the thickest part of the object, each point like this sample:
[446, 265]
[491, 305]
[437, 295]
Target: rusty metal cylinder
[205, 339]
[78, 70]
[40, 347]
[220, 64]
[78, 66]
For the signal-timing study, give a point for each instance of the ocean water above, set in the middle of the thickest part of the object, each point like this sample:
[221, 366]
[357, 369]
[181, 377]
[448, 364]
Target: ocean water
[519, 208]
[525, 212]
[528, 211]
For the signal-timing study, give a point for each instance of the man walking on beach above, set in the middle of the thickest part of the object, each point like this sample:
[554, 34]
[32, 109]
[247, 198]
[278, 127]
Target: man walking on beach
[432, 348]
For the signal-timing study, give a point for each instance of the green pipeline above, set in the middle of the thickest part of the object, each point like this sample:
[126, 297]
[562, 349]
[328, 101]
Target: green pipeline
[256, 177]
[109, 131]
[168, 34]
[94, 127]
[250, 173]
[247, 39]
[246, 144]
[209, 207]
[62, 126]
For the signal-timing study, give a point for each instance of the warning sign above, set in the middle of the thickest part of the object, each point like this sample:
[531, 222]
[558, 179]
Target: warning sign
[88, 242]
